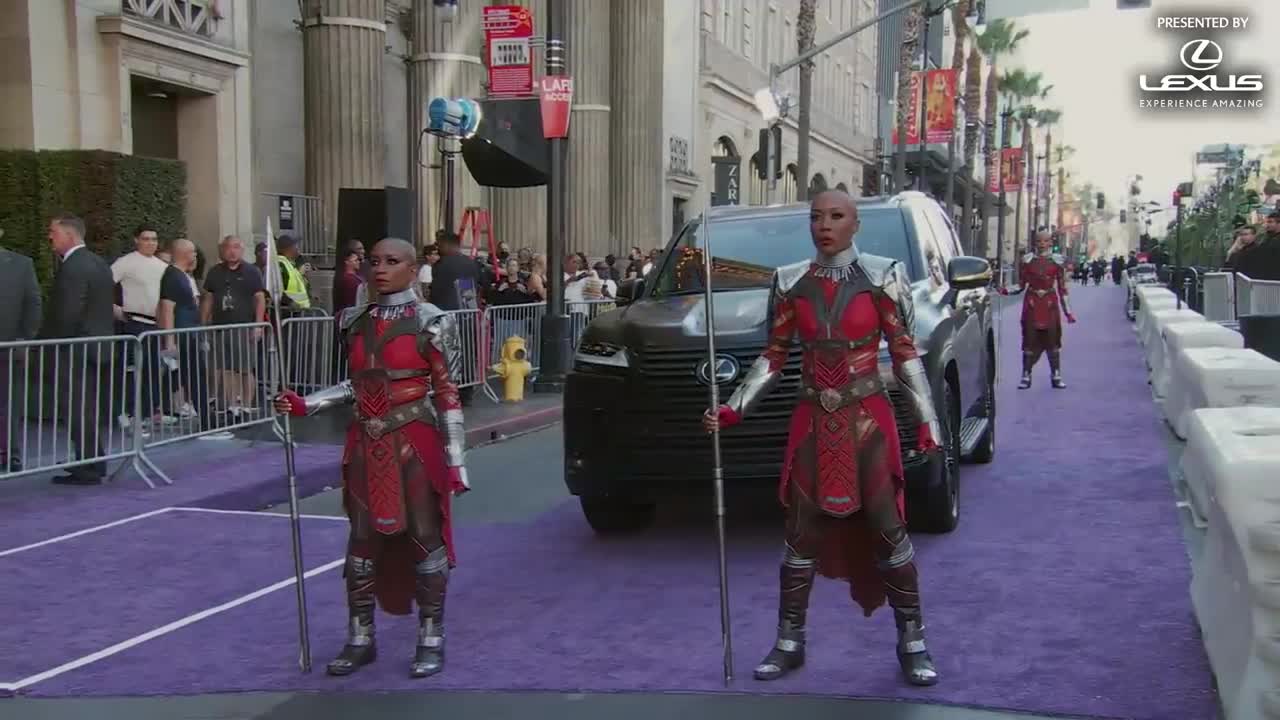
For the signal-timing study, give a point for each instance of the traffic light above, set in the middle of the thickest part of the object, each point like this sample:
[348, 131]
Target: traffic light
[1124, 217]
[761, 156]
[1101, 201]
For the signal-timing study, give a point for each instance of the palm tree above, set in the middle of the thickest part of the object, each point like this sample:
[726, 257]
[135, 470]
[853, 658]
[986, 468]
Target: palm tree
[1016, 87]
[959, 12]
[906, 58]
[1000, 38]
[1047, 119]
[806, 27]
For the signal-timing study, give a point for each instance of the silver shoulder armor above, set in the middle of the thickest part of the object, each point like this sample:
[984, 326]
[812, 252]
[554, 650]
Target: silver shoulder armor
[786, 277]
[1059, 260]
[1028, 258]
[350, 315]
[889, 275]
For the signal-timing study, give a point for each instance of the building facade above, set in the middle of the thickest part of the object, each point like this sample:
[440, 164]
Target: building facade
[275, 106]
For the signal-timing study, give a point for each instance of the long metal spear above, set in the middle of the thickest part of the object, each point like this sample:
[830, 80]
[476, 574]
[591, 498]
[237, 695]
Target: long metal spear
[274, 290]
[717, 466]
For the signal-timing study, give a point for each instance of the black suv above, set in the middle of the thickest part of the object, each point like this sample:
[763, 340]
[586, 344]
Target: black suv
[640, 379]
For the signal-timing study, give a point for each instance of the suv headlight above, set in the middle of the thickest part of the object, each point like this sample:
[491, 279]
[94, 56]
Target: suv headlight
[601, 353]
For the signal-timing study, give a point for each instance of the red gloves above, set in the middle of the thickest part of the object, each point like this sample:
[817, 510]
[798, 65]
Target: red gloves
[1071, 318]
[457, 481]
[297, 406]
[924, 440]
[725, 416]
[1003, 291]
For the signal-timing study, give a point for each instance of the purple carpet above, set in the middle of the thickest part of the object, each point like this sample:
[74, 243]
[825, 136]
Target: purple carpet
[1064, 591]
[250, 479]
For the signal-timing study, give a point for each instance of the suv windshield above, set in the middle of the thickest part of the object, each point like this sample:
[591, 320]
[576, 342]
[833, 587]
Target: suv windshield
[748, 250]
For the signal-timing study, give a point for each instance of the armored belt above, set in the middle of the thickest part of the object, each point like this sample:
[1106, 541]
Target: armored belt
[399, 416]
[832, 399]
[1042, 293]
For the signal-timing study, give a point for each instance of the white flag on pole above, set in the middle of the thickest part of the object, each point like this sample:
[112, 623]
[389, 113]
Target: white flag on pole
[275, 285]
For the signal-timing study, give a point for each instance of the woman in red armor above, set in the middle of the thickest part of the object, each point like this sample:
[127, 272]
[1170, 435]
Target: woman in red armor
[403, 459]
[842, 483]
[1044, 280]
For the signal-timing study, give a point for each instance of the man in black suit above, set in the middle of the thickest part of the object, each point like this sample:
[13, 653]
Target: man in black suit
[20, 295]
[80, 307]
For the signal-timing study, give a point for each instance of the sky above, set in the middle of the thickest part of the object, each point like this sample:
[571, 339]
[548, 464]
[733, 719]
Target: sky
[1094, 58]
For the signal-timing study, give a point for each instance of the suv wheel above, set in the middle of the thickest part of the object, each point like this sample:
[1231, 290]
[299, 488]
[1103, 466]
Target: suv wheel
[611, 516]
[940, 510]
[986, 450]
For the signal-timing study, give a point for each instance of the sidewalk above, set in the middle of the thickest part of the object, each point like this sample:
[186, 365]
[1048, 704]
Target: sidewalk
[244, 473]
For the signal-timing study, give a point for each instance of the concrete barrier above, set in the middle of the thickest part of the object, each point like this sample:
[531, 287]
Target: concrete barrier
[1151, 299]
[1172, 386]
[1224, 378]
[1153, 329]
[1230, 465]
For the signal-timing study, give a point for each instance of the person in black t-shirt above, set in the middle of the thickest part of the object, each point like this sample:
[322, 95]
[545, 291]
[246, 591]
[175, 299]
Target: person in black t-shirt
[453, 267]
[180, 309]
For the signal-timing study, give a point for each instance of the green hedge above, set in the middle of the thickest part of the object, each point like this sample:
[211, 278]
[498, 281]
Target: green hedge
[114, 194]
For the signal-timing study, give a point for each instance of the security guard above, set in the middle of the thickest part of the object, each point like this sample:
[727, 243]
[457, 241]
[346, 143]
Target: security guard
[297, 295]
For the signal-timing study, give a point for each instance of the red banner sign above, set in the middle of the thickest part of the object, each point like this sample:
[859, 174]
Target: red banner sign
[555, 102]
[940, 88]
[1011, 169]
[913, 114]
[508, 31]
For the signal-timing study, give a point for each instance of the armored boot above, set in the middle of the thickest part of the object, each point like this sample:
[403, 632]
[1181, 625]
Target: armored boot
[895, 556]
[913, 656]
[360, 649]
[1055, 370]
[795, 582]
[1028, 362]
[432, 579]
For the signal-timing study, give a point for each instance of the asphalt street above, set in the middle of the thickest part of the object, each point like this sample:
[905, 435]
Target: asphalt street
[514, 480]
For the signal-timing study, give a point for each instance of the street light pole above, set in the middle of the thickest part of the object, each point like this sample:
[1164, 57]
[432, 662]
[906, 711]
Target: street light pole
[1004, 145]
[556, 350]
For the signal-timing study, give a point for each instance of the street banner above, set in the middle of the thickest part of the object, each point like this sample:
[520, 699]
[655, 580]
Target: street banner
[728, 181]
[556, 101]
[1011, 169]
[913, 114]
[941, 108]
[508, 34]
[993, 163]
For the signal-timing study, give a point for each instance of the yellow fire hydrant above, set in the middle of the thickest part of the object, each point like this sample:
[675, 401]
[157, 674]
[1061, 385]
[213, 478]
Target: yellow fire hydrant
[513, 369]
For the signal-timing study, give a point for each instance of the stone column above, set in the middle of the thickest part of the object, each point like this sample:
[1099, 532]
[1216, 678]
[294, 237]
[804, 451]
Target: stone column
[589, 133]
[343, 42]
[444, 61]
[635, 150]
[520, 214]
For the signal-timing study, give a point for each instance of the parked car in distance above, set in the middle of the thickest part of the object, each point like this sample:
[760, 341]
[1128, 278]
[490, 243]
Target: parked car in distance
[640, 379]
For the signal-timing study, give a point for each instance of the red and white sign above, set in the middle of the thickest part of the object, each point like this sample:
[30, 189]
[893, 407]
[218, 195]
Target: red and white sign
[508, 34]
[556, 102]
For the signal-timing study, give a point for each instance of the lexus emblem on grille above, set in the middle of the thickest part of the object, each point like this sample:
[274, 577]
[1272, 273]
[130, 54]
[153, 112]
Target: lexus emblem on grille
[726, 370]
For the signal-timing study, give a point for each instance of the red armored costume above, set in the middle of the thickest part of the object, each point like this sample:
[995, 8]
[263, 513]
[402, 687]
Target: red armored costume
[842, 483]
[1044, 280]
[402, 462]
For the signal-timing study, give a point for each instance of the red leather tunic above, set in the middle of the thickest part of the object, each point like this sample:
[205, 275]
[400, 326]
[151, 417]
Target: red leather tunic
[390, 481]
[1044, 278]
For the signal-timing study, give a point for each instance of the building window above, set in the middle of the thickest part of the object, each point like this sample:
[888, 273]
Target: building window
[748, 31]
[757, 185]
[726, 22]
[790, 185]
[678, 214]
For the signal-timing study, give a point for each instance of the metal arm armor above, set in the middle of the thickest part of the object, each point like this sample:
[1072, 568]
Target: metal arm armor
[762, 378]
[440, 330]
[330, 397]
[911, 375]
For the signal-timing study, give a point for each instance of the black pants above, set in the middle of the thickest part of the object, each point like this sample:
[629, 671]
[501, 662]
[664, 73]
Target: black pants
[146, 371]
[84, 402]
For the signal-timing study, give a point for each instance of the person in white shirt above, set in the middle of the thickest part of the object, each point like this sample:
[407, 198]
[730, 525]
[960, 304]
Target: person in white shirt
[430, 256]
[609, 287]
[139, 276]
[575, 282]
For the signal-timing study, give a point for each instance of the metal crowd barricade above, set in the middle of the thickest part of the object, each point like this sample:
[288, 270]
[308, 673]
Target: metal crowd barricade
[314, 355]
[1219, 297]
[59, 404]
[210, 380]
[522, 321]
[582, 313]
[1256, 297]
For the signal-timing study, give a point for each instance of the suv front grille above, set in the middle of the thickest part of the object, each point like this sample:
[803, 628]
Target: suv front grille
[668, 402]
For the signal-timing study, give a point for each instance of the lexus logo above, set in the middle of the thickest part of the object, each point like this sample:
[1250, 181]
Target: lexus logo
[1201, 55]
[726, 370]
